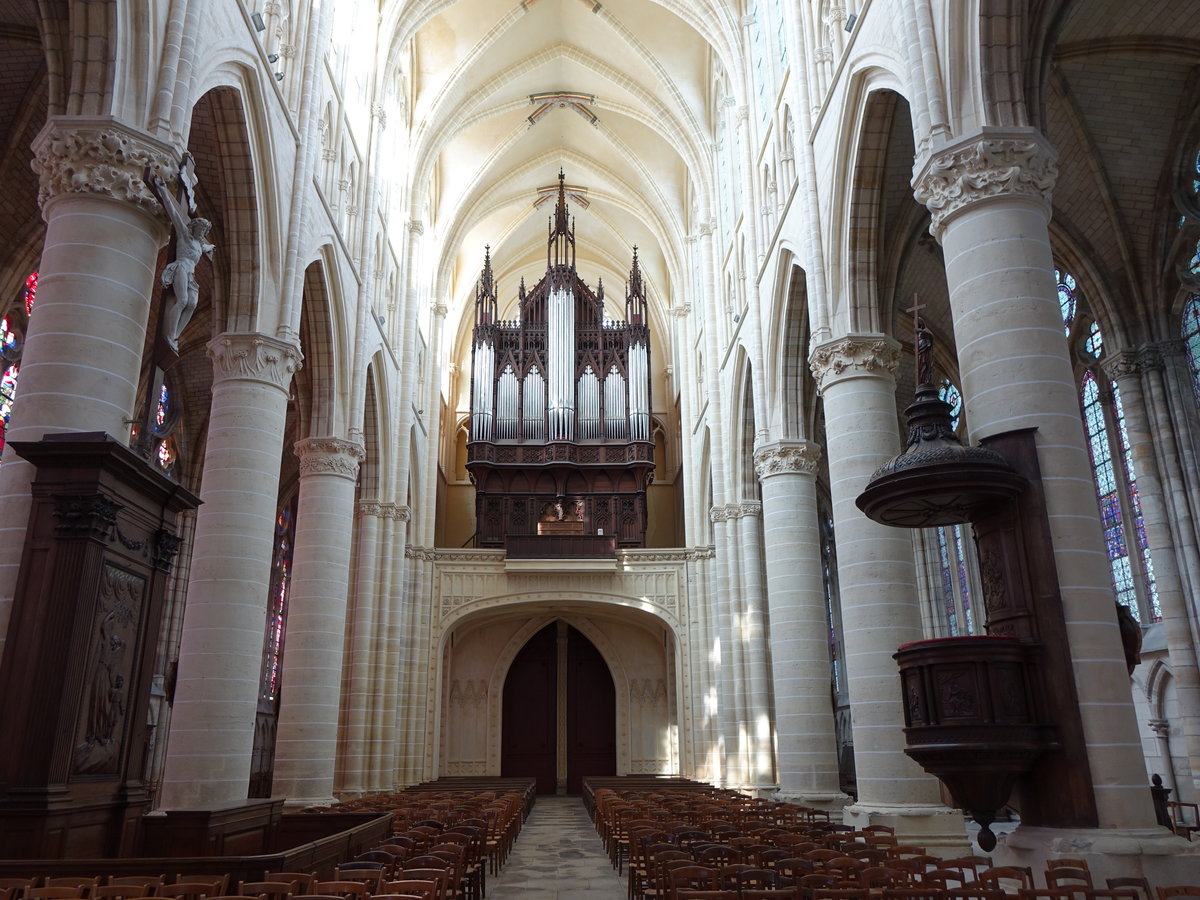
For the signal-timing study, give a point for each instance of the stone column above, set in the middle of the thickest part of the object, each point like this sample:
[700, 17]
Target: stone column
[1127, 369]
[220, 654]
[306, 741]
[353, 752]
[722, 670]
[877, 587]
[82, 355]
[805, 740]
[750, 631]
[989, 197]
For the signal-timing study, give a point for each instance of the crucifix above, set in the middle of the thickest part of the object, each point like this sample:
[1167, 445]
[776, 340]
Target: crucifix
[181, 295]
[922, 345]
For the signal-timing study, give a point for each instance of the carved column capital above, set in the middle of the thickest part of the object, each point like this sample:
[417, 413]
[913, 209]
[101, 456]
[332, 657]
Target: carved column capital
[787, 458]
[1120, 365]
[254, 357]
[99, 155]
[854, 355]
[990, 164]
[719, 514]
[329, 456]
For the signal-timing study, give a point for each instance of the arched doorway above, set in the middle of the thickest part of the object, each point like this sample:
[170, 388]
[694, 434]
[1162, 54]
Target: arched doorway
[559, 717]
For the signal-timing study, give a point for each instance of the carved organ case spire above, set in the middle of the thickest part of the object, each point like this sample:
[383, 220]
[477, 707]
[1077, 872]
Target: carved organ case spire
[561, 447]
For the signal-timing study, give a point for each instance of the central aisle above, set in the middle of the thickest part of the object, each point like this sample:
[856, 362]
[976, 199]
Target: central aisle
[558, 856]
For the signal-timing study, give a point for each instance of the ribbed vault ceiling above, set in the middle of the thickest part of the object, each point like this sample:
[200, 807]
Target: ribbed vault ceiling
[503, 96]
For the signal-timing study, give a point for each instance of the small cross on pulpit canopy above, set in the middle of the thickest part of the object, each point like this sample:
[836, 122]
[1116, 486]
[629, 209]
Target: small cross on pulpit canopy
[922, 345]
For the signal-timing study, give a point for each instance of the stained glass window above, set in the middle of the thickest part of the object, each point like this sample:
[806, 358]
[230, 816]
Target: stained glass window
[1135, 508]
[1128, 551]
[1093, 344]
[829, 581]
[1190, 330]
[1066, 297]
[955, 617]
[10, 353]
[1107, 493]
[281, 579]
[949, 393]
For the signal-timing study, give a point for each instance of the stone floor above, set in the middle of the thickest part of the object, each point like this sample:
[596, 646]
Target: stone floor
[558, 856]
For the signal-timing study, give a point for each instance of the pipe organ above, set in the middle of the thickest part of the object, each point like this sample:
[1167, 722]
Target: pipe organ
[561, 443]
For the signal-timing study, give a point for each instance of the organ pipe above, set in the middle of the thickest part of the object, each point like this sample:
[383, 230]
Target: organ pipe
[506, 406]
[589, 406]
[560, 347]
[616, 427]
[533, 406]
[639, 393]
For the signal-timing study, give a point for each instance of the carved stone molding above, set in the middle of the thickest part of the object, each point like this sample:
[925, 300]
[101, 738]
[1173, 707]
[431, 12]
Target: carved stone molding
[1123, 364]
[416, 226]
[439, 309]
[254, 357]
[1012, 162]
[1146, 358]
[854, 355]
[681, 311]
[383, 510]
[735, 511]
[98, 155]
[787, 458]
[329, 456]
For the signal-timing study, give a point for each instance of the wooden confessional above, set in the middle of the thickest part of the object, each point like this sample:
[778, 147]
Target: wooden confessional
[561, 448]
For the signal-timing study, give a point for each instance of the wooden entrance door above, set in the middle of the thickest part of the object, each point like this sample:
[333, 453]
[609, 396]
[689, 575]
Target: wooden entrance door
[529, 735]
[541, 682]
[591, 714]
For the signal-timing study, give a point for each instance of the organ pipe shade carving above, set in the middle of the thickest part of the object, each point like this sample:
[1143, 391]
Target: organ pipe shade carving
[561, 406]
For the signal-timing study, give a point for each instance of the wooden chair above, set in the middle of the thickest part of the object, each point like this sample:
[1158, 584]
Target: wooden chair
[268, 890]
[150, 882]
[913, 892]
[397, 897]
[943, 877]
[81, 884]
[119, 892]
[348, 890]
[1077, 892]
[973, 864]
[695, 878]
[190, 890]
[371, 877]
[439, 875]
[53, 893]
[1185, 817]
[973, 891]
[1166, 892]
[998, 877]
[694, 894]
[1068, 876]
[302, 880]
[884, 876]
[218, 883]
[427, 889]
[1066, 861]
[1129, 882]
[754, 879]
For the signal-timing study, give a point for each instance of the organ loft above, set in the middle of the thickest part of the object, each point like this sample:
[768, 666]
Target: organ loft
[561, 447]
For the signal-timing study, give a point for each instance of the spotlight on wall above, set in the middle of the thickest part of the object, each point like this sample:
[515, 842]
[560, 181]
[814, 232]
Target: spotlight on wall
[259, 24]
[274, 57]
[279, 76]
[853, 17]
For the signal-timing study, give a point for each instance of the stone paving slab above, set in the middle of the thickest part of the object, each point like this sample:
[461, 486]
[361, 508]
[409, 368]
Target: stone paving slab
[558, 856]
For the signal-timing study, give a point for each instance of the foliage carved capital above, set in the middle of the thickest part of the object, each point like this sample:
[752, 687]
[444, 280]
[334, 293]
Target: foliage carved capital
[254, 357]
[329, 456]
[99, 155]
[991, 164]
[855, 355]
[787, 458]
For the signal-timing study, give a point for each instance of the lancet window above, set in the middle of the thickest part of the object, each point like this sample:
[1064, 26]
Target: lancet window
[1113, 470]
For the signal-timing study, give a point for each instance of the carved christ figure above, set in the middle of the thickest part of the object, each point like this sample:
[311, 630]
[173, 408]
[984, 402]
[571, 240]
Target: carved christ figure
[179, 275]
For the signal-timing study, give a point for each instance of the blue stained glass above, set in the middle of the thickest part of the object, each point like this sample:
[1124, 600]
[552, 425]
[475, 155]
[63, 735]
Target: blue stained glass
[1190, 331]
[1094, 342]
[947, 584]
[1067, 301]
[1106, 492]
[949, 393]
[1135, 505]
[963, 585]
[1194, 262]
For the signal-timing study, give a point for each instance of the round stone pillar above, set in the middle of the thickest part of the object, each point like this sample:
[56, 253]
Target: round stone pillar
[804, 724]
[221, 648]
[989, 197]
[82, 355]
[306, 740]
[1147, 424]
[877, 588]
